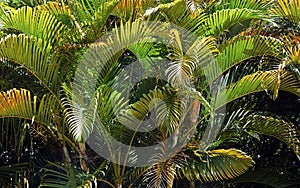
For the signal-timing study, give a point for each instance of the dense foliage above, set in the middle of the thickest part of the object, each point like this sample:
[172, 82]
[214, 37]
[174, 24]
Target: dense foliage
[66, 64]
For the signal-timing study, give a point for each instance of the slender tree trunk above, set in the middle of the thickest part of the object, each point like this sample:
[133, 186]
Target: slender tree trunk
[83, 157]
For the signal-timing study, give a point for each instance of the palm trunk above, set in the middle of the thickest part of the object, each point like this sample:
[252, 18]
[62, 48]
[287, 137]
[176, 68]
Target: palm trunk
[83, 157]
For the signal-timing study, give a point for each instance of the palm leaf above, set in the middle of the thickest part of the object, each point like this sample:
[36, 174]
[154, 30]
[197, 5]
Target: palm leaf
[19, 104]
[7, 172]
[59, 176]
[269, 177]
[216, 165]
[32, 21]
[240, 49]
[257, 82]
[186, 59]
[288, 9]
[277, 128]
[64, 14]
[92, 15]
[129, 9]
[40, 60]
[261, 5]
[221, 20]
[163, 172]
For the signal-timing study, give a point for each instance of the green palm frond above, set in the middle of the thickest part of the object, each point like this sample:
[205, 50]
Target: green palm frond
[64, 14]
[267, 176]
[166, 111]
[277, 128]
[92, 15]
[186, 61]
[288, 9]
[216, 165]
[163, 172]
[19, 104]
[293, 54]
[32, 21]
[132, 9]
[242, 48]
[175, 9]
[262, 5]
[257, 82]
[40, 60]
[59, 176]
[9, 171]
[221, 20]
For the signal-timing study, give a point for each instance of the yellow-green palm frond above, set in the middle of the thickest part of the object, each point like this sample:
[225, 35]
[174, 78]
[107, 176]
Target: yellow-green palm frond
[35, 55]
[241, 48]
[171, 11]
[163, 172]
[20, 104]
[187, 59]
[277, 128]
[32, 21]
[128, 9]
[288, 9]
[64, 14]
[216, 165]
[222, 20]
[92, 15]
[257, 82]
[293, 54]
[259, 5]
[165, 111]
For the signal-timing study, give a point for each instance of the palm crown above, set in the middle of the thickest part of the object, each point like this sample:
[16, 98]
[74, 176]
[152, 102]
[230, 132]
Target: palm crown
[59, 42]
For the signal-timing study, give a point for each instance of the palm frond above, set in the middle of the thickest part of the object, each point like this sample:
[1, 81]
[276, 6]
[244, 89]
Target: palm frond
[131, 9]
[288, 9]
[221, 20]
[239, 49]
[19, 104]
[185, 60]
[163, 172]
[40, 60]
[270, 177]
[260, 5]
[216, 165]
[64, 14]
[92, 15]
[32, 21]
[277, 128]
[257, 82]
[59, 176]
[9, 171]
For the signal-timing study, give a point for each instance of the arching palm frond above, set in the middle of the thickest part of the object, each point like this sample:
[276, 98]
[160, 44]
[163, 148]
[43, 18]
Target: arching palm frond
[40, 60]
[132, 9]
[163, 172]
[216, 165]
[186, 59]
[259, 5]
[267, 176]
[221, 20]
[92, 15]
[257, 82]
[171, 11]
[32, 21]
[7, 173]
[288, 9]
[241, 48]
[20, 104]
[277, 128]
[64, 14]
[59, 176]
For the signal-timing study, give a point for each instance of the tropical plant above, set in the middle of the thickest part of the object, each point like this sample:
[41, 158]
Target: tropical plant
[217, 65]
